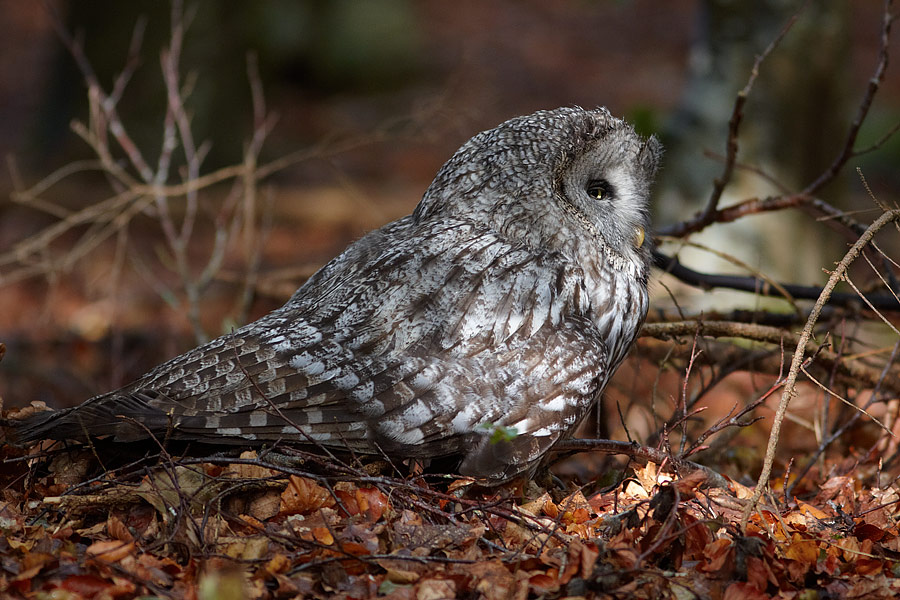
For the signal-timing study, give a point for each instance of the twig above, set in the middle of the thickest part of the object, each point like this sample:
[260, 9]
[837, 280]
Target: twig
[712, 214]
[643, 453]
[847, 151]
[796, 362]
[734, 124]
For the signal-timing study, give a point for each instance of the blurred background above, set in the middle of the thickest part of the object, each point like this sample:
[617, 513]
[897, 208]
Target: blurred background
[381, 93]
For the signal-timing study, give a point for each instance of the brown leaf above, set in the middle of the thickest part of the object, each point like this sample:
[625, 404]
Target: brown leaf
[165, 490]
[277, 564]
[245, 471]
[850, 547]
[347, 504]
[32, 564]
[579, 560]
[495, 582]
[797, 570]
[689, 484]
[117, 530]
[757, 572]
[365, 534]
[865, 531]
[86, 586]
[744, 591]
[303, 496]
[372, 501]
[589, 555]
[804, 550]
[869, 566]
[460, 483]
[323, 535]
[110, 550]
[543, 504]
[436, 589]
[266, 506]
[578, 516]
[697, 536]
[719, 557]
[830, 565]
[543, 583]
[401, 576]
[811, 510]
[649, 477]
[574, 502]
[248, 548]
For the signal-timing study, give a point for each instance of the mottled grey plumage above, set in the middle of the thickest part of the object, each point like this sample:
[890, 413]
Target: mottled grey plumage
[507, 299]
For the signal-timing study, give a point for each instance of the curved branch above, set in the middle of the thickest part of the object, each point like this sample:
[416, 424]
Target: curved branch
[797, 361]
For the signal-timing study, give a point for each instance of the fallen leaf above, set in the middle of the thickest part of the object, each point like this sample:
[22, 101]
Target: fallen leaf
[866, 531]
[249, 548]
[435, 589]
[401, 576]
[167, 491]
[277, 564]
[804, 550]
[372, 502]
[811, 510]
[86, 586]
[323, 535]
[869, 566]
[110, 551]
[266, 506]
[541, 584]
[303, 496]
[117, 530]
[744, 591]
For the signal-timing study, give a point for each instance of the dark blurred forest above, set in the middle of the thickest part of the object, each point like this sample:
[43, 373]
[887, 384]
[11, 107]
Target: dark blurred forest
[380, 93]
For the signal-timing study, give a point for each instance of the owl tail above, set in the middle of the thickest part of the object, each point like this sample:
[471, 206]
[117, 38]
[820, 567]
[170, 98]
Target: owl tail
[126, 417]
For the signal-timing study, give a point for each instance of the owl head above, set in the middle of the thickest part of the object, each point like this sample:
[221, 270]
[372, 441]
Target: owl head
[554, 180]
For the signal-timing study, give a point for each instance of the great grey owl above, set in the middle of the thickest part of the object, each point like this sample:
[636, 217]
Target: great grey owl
[504, 302]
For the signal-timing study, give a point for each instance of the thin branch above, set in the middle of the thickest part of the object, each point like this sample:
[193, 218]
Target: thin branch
[712, 214]
[847, 152]
[734, 124]
[796, 362]
[642, 453]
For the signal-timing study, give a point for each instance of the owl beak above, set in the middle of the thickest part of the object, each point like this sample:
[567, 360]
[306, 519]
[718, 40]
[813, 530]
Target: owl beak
[638, 237]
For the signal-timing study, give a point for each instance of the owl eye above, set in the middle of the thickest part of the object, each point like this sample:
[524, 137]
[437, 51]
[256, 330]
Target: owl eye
[599, 189]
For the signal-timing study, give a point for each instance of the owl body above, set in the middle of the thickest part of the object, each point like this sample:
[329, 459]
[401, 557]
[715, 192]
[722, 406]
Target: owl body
[506, 300]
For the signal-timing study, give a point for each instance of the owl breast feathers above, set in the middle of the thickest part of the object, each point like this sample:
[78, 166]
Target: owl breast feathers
[507, 299]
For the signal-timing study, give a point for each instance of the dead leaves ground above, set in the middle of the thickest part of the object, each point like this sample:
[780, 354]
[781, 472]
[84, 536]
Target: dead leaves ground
[243, 529]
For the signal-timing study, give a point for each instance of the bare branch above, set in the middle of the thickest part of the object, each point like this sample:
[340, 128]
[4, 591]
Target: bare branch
[847, 152]
[790, 384]
[734, 124]
[764, 286]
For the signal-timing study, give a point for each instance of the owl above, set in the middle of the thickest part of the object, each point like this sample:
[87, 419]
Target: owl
[502, 305]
